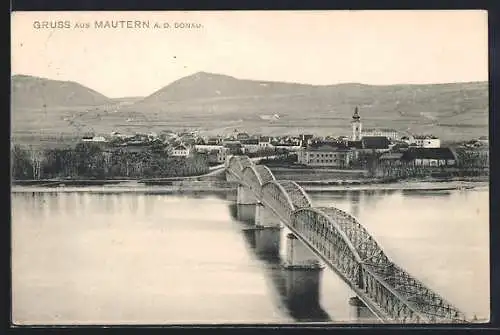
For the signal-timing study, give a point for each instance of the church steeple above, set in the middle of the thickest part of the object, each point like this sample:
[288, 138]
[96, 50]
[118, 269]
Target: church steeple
[356, 125]
[356, 116]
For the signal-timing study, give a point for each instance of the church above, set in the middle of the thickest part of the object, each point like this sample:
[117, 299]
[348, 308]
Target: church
[339, 154]
[363, 142]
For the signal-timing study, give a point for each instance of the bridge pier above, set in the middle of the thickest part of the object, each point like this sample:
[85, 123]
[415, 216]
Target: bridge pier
[245, 213]
[267, 231]
[245, 196]
[303, 274]
[359, 312]
[264, 217]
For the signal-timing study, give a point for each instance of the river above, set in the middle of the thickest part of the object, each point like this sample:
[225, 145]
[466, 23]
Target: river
[153, 258]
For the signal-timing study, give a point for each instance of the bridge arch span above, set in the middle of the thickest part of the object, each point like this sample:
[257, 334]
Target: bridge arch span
[299, 197]
[244, 162]
[366, 246]
[317, 214]
[278, 198]
[265, 173]
[324, 234]
[252, 177]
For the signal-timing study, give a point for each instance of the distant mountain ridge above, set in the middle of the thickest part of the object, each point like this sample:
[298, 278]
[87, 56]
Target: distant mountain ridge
[204, 85]
[37, 93]
[219, 103]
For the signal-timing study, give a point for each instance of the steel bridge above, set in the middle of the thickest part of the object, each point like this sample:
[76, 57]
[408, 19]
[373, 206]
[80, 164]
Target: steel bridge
[344, 245]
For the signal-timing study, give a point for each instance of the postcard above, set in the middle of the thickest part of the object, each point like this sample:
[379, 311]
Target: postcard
[250, 167]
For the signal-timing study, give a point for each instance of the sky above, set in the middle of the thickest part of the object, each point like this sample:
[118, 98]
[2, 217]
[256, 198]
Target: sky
[313, 47]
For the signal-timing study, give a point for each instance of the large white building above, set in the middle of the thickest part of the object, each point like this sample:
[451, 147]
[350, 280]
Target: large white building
[325, 154]
[391, 134]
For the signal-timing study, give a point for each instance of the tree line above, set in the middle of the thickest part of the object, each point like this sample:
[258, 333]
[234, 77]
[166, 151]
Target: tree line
[87, 160]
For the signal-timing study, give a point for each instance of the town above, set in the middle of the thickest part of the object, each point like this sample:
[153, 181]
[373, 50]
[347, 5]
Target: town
[382, 152]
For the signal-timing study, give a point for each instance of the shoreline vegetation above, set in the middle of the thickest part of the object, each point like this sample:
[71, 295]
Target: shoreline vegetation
[89, 165]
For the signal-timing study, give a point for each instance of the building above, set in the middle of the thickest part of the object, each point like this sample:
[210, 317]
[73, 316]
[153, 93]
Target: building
[332, 154]
[250, 145]
[391, 158]
[216, 153]
[391, 134]
[95, 139]
[423, 141]
[181, 150]
[265, 142]
[213, 141]
[290, 147]
[218, 156]
[235, 147]
[305, 139]
[356, 125]
[429, 157]
[242, 136]
[377, 143]
[484, 140]
[206, 148]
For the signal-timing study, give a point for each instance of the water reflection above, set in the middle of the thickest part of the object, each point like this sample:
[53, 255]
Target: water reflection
[183, 242]
[296, 304]
[426, 193]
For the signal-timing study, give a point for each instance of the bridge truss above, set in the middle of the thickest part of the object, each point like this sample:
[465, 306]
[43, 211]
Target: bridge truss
[348, 248]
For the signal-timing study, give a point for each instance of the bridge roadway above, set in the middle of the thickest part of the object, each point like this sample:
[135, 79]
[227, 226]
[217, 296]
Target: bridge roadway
[345, 246]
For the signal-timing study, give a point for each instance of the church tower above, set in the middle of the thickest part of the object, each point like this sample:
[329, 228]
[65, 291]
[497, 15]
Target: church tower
[356, 125]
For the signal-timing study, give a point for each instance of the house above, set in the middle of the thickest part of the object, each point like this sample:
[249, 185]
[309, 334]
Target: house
[181, 150]
[391, 134]
[423, 141]
[377, 143]
[265, 142]
[429, 157]
[213, 141]
[218, 155]
[332, 154]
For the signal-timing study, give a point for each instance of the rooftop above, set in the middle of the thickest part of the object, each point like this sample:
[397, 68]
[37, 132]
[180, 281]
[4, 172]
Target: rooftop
[355, 144]
[385, 130]
[428, 153]
[375, 142]
[250, 141]
[327, 146]
[391, 155]
[425, 137]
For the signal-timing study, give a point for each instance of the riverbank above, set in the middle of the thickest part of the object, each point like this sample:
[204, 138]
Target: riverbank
[175, 181]
[207, 187]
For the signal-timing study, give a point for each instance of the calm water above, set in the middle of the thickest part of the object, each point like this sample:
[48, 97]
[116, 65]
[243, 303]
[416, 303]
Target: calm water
[136, 258]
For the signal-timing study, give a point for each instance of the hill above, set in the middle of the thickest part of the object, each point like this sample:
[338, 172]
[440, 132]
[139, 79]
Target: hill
[219, 104]
[447, 110]
[30, 92]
